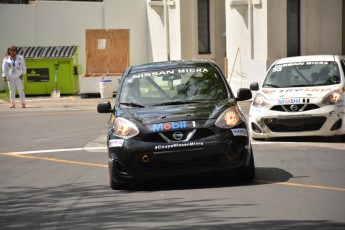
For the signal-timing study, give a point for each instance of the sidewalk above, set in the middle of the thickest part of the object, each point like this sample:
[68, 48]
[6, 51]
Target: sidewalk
[46, 103]
[75, 102]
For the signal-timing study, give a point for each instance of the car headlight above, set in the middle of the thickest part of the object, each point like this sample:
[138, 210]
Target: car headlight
[259, 100]
[333, 97]
[229, 118]
[124, 128]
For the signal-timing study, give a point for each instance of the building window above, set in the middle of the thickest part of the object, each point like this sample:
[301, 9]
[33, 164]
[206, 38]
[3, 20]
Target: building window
[204, 26]
[293, 28]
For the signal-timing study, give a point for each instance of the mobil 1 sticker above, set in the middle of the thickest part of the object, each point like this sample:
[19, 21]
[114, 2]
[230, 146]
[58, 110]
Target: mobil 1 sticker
[171, 126]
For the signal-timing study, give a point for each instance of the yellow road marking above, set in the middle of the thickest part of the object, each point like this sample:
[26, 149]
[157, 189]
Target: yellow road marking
[300, 185]
[54, 159]
[57, 150]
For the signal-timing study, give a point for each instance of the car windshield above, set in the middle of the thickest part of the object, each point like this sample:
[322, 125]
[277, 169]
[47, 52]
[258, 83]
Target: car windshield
[173, 87]
[300, 74]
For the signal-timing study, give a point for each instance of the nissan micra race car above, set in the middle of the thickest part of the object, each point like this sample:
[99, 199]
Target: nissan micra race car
[173, 119]
[300, 96]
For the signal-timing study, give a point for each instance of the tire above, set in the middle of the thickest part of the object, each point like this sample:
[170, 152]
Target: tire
[342, 138]
[247, 173]
[116, 185]
[83, 95]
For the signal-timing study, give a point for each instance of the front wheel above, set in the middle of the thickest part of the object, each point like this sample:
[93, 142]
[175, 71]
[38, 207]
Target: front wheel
[247, 173]
[116, 185]
[342, 138]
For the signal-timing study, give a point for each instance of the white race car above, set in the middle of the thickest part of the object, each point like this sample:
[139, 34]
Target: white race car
[300, 96]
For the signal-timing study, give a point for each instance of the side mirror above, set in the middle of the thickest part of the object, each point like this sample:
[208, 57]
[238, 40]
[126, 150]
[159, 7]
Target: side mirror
[104, 107]
[254, 86]
[243, 94]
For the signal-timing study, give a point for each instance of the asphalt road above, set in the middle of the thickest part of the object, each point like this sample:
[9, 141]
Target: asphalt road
[53, 175]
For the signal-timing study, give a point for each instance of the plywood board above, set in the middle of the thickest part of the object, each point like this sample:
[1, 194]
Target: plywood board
[107, 51]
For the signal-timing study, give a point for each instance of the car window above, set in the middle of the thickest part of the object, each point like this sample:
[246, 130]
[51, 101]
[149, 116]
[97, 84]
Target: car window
[184, 84]
[301, 74]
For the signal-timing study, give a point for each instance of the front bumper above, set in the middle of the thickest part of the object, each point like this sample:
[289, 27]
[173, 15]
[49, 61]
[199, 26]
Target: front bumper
[324, 121]
[138, 160]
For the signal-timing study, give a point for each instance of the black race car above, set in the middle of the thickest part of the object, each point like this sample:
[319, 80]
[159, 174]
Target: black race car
[176, 118]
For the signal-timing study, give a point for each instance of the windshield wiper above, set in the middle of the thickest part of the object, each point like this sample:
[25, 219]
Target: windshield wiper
[176, 103]
[301, 85]
[132, 104]
[272, 85]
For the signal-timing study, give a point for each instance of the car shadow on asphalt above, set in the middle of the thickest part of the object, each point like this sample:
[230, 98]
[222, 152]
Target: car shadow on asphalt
[319, 139]
[91, 206]
[264, 175]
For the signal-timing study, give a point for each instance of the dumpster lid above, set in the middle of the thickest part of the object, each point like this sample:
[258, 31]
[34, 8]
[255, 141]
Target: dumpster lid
[30, 51]
[47, 52]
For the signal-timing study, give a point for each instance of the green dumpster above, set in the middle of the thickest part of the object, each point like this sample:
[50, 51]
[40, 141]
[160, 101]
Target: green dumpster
[45, 64]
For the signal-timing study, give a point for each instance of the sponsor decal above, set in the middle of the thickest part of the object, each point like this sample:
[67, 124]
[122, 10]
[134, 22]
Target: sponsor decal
[318, 89]
[255, 110]
[279, 67]
[265, 91]
[116, 143]
[169, 126]
[292, 116]
[239, 132]
[289, 101]
[179, 145]
[313, 89]
[37, 75]
[167, 72]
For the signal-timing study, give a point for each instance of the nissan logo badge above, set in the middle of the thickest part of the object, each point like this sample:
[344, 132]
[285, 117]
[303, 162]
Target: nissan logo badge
[294, 108]
[177, 135]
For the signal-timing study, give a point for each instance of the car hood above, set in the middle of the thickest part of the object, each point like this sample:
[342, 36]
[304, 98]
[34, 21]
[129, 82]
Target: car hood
[297, 92]
[187, 112]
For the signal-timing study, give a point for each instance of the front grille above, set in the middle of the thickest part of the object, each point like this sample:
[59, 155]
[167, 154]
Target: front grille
[202, 133]
[296, 108]
[294, 125]
[153, 137]
[196, 164]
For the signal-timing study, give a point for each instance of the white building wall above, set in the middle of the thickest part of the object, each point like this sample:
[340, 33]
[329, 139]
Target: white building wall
[269, 38]
[157, 31]
[260, 30]
[183, 30]
[64, 24]
[132, 15]
[175, 38]
[49, 24]
[219, 34]
[189, 25]
[238, 42]
[276, 26]
[21, 32]
[255, 35]
[52, 23]
[170, 22]
[251, 50]
[321, 26]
